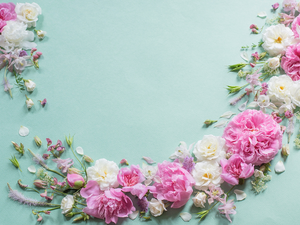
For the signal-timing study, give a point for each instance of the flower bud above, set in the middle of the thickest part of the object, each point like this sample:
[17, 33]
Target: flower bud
[22, 185]
[78, 218]
[30, 85]
[41, 34]
[209, 122]
[88, 159]
[75, 181]
[17, 147]
[254, 31]
[253, 26]
[40, 218]
[262, 168]
[37, 141]
[275, 6]
[40, 184]
[285, 150]
[69, 140]
[262, 55]
[74, 170]
[70, 214]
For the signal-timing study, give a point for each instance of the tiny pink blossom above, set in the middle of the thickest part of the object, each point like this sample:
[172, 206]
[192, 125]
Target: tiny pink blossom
[288, 114]
[252, 65]
[43, 103]
[124, 161]
[275, 6]
[227, 208]
[39, 53]
[248, 91]
[40, 218]
[49, 142]
[214, 193]
[47, 212]
[276, 117]
[56, 182]
[253, 26]
[63, 164]
[46, 156]
[254, 31]
[255, 56]
[33, 50]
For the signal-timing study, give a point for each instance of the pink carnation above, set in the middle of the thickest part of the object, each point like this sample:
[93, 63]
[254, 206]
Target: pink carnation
[254, 135]
[291, 62]
[235, 168]
[130, 176]
[108, 205]
[173, 183]
[7, 12]
[294, 26]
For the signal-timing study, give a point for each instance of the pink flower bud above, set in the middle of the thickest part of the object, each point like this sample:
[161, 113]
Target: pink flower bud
[39, 218]
[254, 31]
[75, 181]
[275, 6]
[73, 170]
[252, 65]
[35, 57]
[253, 26]
[33, 50]
[49, 142]
[40, 184]
[124, 161]
[39, 53]
[88, 159]
[46, 156]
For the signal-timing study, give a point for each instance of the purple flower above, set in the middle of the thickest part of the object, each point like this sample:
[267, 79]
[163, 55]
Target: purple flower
[227, 208]
[6, 84]
[63, 164]
[49, 142]
[22, 53]
[275, 6]
[43, 103]
[46, 156]
[143, 204]
[188, 163]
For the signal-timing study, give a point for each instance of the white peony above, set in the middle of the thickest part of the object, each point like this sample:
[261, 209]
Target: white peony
[295, 93]
[276, 39]
[105, 173]
[149, 173]
[15, 34]
[29, 103]
[30, 85]
[200, 199]
[273, 63]
[156, 207]
[67, 204]
[181, 151]
[206, 173]
[210, 148]
[279, 87]
[28, 13]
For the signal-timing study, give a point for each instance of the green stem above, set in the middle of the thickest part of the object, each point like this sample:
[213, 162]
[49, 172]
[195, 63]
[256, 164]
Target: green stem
[58, 207]
[59, 192]
[53, 171]
[80, 203]
[33, 189]
[79, 161]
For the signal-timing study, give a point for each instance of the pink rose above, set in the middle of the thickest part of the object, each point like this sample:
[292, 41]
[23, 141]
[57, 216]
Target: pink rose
[75, 181]
[7, 12]
[108, 205]
[254, 135]
[294, 26]
[130, 176]
[235, 168]
[173, 183]
[291, 62]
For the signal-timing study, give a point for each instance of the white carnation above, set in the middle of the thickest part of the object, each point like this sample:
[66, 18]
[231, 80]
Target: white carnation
[105, 173]
[28, 13]
[156, 207]
[67, 204]
[279, 87]
[210, 148]
[200, 199]
[277, 38]
[206, 173]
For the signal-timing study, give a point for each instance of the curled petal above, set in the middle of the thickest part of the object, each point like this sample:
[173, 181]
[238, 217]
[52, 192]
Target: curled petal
[23, 131]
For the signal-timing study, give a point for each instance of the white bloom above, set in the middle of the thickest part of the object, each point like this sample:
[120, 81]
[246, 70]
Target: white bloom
[15, 34]
[288, 105]
[41, 34]
[157, 207]
[28, 13]
[29, 103]
[105, 173]
[273, 63]
[258, 173]
[279, 87]
[295, 93]
[149, 173]
[181, 151]
[30, 85]
[200, 199]
[277, 38]
[67, 204]
[210, 148]
[206, 173]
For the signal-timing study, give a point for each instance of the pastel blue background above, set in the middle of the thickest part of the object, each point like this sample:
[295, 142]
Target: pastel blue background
[131, 79]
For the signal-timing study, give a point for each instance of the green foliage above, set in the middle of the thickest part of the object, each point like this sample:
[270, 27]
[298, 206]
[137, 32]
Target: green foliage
[19, 82]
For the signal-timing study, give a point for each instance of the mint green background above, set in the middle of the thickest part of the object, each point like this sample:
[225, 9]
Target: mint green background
[133, 78]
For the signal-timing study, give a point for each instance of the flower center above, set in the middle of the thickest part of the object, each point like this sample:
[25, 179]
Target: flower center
[215, 193]
[278, 40]
[207, 175]
[281, 88]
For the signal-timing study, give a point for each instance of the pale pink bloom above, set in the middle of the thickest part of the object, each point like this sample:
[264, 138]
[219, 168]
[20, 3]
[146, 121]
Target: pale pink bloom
[286, 19]
[7, 12]
[173, 183]
[124, 161]
[44, 195]
[289, 5]
[288, 114]
[227, 208]
[291, 62]
[108, 205]
[275, 6]
[296, 23]
[253, 79]
[255, 56]
[63, 164]
[235, 168]
[130, 176]
[254, 135]
[56, 182]
[276, 117]
[75, 180]
[138, 190]
[214, 193]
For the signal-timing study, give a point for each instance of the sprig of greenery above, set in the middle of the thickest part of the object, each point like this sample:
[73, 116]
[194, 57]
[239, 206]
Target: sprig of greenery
[20, 82]
[15, 162]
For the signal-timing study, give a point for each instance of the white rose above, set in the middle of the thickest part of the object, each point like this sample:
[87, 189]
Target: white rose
[273, 63]
[277, 38]
[200, 199]
[41, 34]
[105, 173]
[295, 93]
[206, 173]
[157, 207]
[15, 34]
[67, 204]
[28, 13]
[30, 85]
[210, 148]
[279, 87]
[29, 103]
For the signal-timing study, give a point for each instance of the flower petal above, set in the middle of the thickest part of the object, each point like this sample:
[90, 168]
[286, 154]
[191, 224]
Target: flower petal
[221, 124]
[262, 15]
[242, 107]
[252, 104]
[133, 215]
[227, 115]
[240, 195]
[185, 216]
[32, 169]
[24, 131]
[279, 168]
[148, 160]
[79, 150]
[245, 56]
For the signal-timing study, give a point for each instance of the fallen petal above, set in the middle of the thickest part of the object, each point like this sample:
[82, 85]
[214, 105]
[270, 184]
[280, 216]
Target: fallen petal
[279, 168]
[252, 104]
[243, 106]
[240, 195]
[221, 124]
[133, 215]
[227, 115]
[79, 150]
[262, 15]
[148, 160]
[185, 216]
[24, 131]
[32, 169]
[245, 56]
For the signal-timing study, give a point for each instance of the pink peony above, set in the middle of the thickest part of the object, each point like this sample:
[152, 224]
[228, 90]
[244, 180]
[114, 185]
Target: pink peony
[7, 12]
[128, 177]
[235, 168]
[173, 183]
[291, 62]
[294, 26]
[255, 136]
[75, 180]
[108, 205]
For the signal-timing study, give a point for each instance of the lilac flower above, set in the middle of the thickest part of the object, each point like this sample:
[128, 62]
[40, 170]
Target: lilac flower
[49, 142]
[46, 156]
[22, 53]
[227, 208]
[63, 164]
[43, 103]
[38, 160]
[7, 86]
[214, 193]
[143, 204]
[235, 100]
[188, 163]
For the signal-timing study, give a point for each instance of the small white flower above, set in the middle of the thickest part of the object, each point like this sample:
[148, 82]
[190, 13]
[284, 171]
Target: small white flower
[279, 87]
[206, 173]
[279, 167]
[156, 207]
[200, 199]
[210, 148]
[149, 172]
[28, 13]
[41, 34]
[258, 173]
[105, 173]
[276, 39]
[30, 85]
[273, 63]
[67, 204]
[181, 151]
[29, 103]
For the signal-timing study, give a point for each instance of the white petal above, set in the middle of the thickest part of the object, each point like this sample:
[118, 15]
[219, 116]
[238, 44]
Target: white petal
[221, 124]
[240, 195]
[32, 169]
[185, 216]
[262, 14]
[243, 106]
[252, 104]
[79, 150]
[279, 168]
[24, 131]
[148, 160]
[227, 115]
[245, 56]
[133, 215]
[147, 182]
